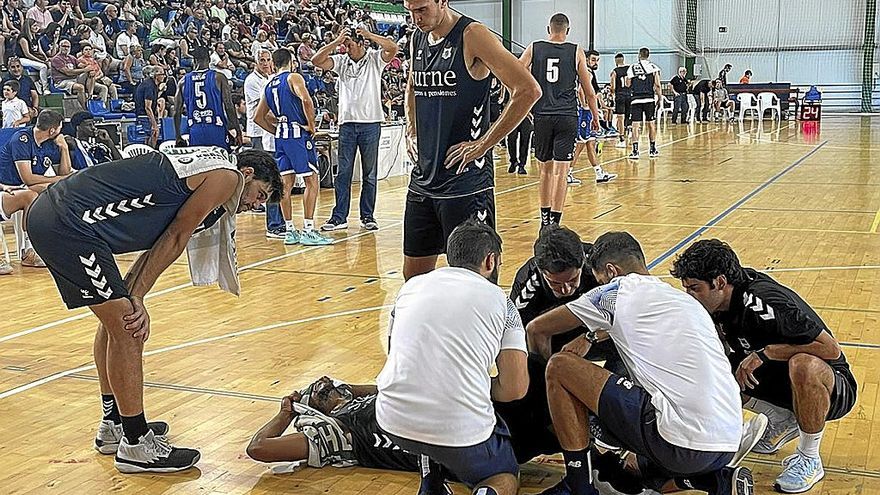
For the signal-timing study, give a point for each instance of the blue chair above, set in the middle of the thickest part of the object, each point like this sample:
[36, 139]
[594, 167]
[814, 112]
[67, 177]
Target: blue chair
[138, 132]
[99, 110]
[166, 129]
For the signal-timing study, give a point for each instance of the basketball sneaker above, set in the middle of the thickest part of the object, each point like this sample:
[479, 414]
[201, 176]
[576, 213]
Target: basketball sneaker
[153, 454]
[276, 234]
[753, 431]
[572, 180]
[604, 177]
[32, 259]
[634, 155]
[292, 237]
[741, 481]
[654, 153]
[521, 169]
[620, 143]
[800, 474]
[512, 168]
[5, 268]
[779, 432]
[334, 224]
[369, 223]
[313, 238]
[110, 434]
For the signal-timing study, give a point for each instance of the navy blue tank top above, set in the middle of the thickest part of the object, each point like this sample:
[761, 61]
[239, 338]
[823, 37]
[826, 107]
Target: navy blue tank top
[203, 100]
[554, 66]
[451, 107]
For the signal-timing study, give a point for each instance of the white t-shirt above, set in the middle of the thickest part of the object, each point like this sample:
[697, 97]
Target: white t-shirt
[212, 64]
[254, 85]
[124, 40]
[644, 78]
[13, 110]
[360, 87]
[670, 347]
[448, 327]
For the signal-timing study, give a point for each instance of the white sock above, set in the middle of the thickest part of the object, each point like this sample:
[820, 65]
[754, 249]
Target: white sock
[599, 171]
[308, 224]
[26, 242]
[289, 225]
[809, 443]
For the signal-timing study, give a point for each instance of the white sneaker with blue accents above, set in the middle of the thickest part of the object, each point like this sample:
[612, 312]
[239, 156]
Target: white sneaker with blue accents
[801, 473]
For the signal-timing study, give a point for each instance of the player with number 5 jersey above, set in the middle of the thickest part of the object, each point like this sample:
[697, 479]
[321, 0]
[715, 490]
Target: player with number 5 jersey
[209, 109]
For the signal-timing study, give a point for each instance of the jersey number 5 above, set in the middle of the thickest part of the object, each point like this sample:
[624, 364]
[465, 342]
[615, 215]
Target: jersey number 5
[201, 97]
[552, 70]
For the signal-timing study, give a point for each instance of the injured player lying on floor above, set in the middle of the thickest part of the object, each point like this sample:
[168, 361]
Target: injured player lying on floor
[331, 423]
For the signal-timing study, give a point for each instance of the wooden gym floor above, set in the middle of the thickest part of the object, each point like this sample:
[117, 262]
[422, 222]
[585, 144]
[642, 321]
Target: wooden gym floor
[801, 202]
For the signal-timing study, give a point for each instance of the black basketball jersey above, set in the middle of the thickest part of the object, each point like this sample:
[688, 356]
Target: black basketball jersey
[620, 87]
[554, 66]
[372, 447]
[451, 107]
[595, 82]
[642, 80]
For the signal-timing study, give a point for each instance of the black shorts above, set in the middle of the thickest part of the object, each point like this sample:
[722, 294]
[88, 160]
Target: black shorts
[628, 419]
[427, 222]
[554, 137]
[774, 386]
[643, 112]
[621, 105]
[82, 266]
[474, 464]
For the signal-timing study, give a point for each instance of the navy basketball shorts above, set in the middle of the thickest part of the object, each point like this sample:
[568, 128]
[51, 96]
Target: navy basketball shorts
[470, 465]
[554, 137]
[82, 265]
[427, 222]
[296, 156]
[208, 135]
[585, 129]
[628, 419]
[643, 112]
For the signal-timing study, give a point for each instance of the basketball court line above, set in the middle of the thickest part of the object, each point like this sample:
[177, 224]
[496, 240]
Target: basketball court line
[730, 209]
[184, 345]
[876, 223]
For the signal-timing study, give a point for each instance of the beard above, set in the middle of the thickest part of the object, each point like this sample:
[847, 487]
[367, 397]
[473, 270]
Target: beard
[493, 277]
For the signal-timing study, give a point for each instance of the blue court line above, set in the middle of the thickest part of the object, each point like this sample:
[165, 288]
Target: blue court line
[732, 208]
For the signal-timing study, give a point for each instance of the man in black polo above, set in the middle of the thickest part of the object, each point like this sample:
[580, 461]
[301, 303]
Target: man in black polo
[781, 351]
[679, 86]
[702, 92]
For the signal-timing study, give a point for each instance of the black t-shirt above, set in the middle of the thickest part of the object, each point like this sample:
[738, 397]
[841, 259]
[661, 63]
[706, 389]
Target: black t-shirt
[554, 66]
[620, 87]
[702, 87]
[679, 84]
[67, 27]
[146, 90]
[764, 312]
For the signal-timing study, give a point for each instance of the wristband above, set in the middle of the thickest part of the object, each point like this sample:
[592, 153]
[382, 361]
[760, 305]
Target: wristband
[762, 355]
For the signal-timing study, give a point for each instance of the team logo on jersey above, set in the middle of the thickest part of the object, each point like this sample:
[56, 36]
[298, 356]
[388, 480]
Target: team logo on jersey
[309, 145]
[419, 55]
[23, 138]
[625, 382]
[447, 52]
[47, 162]
[744, 343]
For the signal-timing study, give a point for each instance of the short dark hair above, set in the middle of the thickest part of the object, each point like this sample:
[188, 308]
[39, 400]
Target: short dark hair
[201, 55]
[619, 55]
[47, 119]
[748, 73]
[559, 249]
[13, 85]
[559, 22]
[265, 170]
[470, 243]
[620, 248]
[707, 259]
[590, 53]
[281, 57]
[728, 66]
[644, 52]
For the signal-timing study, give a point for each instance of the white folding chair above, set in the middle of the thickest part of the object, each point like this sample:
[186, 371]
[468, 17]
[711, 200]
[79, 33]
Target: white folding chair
[136, 150]
[769, 101]
[747, 101]
[5, 246]
[166, 145]
[663, 107]
[692, 108]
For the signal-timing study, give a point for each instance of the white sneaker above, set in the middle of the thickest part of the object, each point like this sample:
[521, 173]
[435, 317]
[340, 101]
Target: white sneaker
[634, 155]
[572, 180]
[605, 177]
[779, 432]
[801, 473]
[153, 454]
[32, 259]
[753, 431]
[110, 434]
[5, 268]
[620, 144]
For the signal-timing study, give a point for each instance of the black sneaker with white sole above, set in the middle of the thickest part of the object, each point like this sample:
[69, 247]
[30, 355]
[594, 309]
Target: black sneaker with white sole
[334, 224]
[110, 434]
[153, 454]
[369, 223]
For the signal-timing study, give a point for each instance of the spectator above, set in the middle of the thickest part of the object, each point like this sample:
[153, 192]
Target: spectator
[679, 87]
[219, 11]
[269, 26]
[220, 61]
[13, 20]
[27, 90]
[162, 30]
[360, 117]
[67, 76]
[187, 43]
[237, 53]
[722, 99]
[306, 50]
[98, 84]
[66, 18]
[89, 146]
[215, 29]
[31, 152]
[48, 40]
[126, 40]
[722, 76]
[111, 23]
[133, 69]
[30, 55]
[159, 56]
[40, 14]
[197, 20]
[746, 78]
[15, 111]
[263, 42]
[146, 101]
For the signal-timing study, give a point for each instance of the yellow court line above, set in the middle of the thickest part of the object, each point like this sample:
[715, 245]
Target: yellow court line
[875, 223]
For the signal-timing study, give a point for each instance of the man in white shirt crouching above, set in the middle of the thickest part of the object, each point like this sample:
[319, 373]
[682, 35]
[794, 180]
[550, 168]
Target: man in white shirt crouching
[449, 328]
[680, 412]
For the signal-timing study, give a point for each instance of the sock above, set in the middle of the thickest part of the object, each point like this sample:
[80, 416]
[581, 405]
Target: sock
[622, 138]
[485, 490]
[636, 147]
[111, 411]
[603, 125]
[555, 217]
[289, 225]
[578, 471]
[598, 171]
[308, 224]
[545, 215]
[809, 443]
[653, 146]
[26, 242]
[432, 476]
[134, 427]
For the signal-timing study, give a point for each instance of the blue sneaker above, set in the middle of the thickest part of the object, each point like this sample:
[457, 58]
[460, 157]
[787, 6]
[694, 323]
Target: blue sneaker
[801, 473]
[313, 238]
[292, 237]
